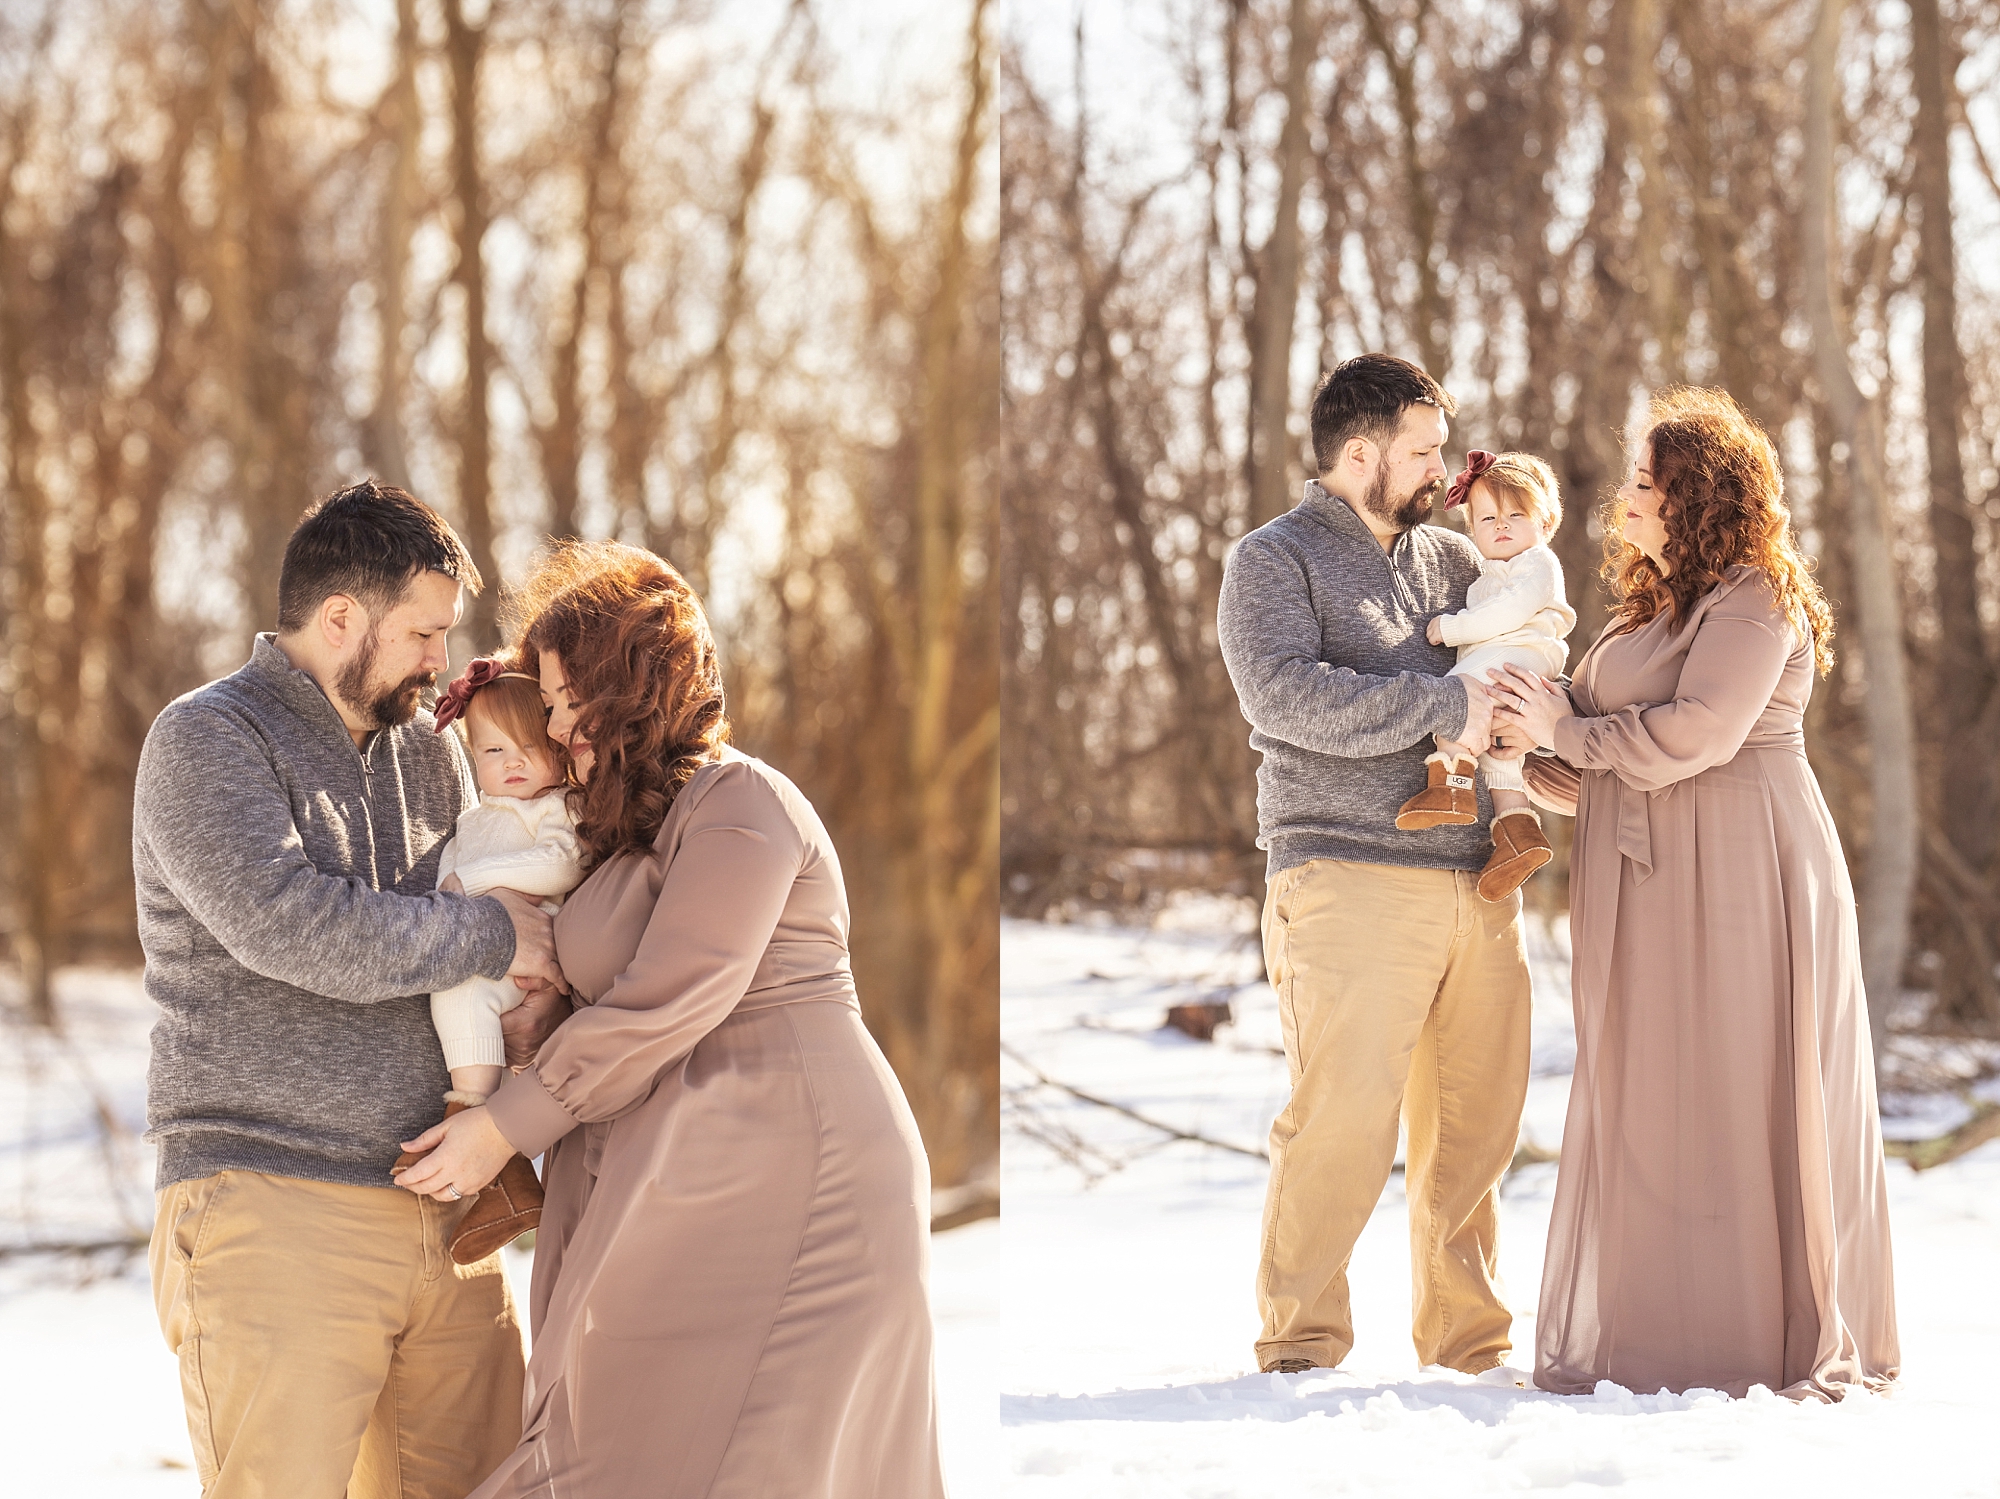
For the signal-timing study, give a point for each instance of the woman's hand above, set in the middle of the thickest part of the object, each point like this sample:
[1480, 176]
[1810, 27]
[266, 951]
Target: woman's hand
[466, 1153]
[1529, 704]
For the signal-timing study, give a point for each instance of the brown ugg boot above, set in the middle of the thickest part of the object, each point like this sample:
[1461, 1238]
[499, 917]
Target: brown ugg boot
[1519, 849]
[502, 1211]
[506, 1208]
[1448, 800]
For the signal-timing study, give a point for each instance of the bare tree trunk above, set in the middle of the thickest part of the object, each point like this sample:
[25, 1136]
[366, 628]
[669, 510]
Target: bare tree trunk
[26, 511]
[630, 437]
[1427, 318]
[1834, 727]
[1892, 849]
[560, 440]
[1621, 279]
[246, 253]
[1963, 800]
[1277, 278]
[475, 438]
[688, 537]
[402, 122]
[957, 777]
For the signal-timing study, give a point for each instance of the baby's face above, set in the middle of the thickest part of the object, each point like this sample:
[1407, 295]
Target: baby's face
[502, 767]
[1502, 525]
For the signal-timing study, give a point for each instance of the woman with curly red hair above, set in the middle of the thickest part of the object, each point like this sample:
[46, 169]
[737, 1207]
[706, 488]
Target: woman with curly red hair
[729, 1292]
[1720, 1217]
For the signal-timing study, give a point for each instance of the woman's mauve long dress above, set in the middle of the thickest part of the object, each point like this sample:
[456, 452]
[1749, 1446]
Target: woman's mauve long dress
[1720, 1216]
[729, 1295]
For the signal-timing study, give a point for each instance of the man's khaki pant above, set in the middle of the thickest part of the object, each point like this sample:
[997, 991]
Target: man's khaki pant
[1399, 990]
[328, 1345]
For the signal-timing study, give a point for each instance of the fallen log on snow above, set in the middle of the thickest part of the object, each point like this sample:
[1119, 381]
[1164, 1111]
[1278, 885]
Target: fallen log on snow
[1984, 1125]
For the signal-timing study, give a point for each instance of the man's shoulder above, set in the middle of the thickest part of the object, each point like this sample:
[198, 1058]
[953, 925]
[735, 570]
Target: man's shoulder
[1281, 533]
[227, 705]
[1296, 537]
[206, 744]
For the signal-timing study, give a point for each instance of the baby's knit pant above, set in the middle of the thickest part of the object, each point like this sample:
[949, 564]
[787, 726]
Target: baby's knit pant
[467, 1018]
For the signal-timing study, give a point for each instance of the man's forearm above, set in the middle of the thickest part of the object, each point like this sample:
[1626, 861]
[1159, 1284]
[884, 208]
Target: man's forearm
[1271, 641]
[247, 879]
[1333, 711]
[383, 948]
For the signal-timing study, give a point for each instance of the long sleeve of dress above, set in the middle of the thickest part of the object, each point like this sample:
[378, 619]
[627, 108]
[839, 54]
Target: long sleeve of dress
[1534, 584]
[1732, 667]
[719, 903]
[1552, 783]
[1270, 639]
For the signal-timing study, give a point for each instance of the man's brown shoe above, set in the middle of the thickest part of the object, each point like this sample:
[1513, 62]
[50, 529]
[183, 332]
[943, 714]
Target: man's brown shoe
[500, 1214]
[1291, 1366]
[1449, 800]
[1519, 849]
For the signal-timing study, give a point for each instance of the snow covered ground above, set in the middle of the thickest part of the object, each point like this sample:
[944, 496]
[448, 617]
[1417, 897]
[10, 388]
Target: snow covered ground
[90, 1394]
[1126, 1367]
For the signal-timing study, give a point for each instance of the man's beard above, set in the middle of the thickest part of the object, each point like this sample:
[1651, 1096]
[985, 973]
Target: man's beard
[382, 707]
[1412, 509]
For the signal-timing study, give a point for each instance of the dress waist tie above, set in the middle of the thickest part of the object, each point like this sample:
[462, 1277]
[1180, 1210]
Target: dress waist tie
[1635, 807]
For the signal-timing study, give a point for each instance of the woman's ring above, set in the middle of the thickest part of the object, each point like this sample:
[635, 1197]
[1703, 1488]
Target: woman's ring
[455, 1193]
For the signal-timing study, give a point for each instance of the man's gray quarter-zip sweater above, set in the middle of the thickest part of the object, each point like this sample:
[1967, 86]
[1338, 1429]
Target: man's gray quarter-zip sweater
[1323, 634]
[290, 929]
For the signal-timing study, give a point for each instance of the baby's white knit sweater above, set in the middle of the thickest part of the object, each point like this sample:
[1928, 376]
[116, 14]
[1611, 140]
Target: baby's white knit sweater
[1519, 601]
[507, 842]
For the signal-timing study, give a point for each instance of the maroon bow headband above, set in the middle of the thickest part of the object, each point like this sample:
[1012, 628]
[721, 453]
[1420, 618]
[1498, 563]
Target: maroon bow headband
[1477, 462]
[478, 672]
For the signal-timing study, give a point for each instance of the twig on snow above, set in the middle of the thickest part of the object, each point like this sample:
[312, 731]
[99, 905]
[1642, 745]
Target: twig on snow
[1118, 1108]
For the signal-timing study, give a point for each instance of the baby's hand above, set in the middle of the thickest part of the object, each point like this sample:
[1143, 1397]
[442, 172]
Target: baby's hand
[1434, 631]
[451, 883]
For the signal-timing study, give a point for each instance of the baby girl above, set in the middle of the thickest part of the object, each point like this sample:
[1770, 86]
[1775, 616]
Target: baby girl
[1516, 614]
[518, 837]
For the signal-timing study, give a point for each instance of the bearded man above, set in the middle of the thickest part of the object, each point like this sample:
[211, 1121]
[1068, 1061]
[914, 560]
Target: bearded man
[287, 823]
[1399, 989]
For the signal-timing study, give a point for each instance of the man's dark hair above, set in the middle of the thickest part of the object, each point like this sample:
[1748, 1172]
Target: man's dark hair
[1366, 396]
[369, 541]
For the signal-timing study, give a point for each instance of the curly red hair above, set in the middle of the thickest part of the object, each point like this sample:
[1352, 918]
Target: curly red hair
[1722, 503]
[641, 663]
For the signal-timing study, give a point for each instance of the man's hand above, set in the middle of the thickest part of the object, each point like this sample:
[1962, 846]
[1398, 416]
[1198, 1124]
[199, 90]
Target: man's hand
[534, 942]
[1434, 631]
[1478, 730]
[525, 1027]
[1509, 743]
